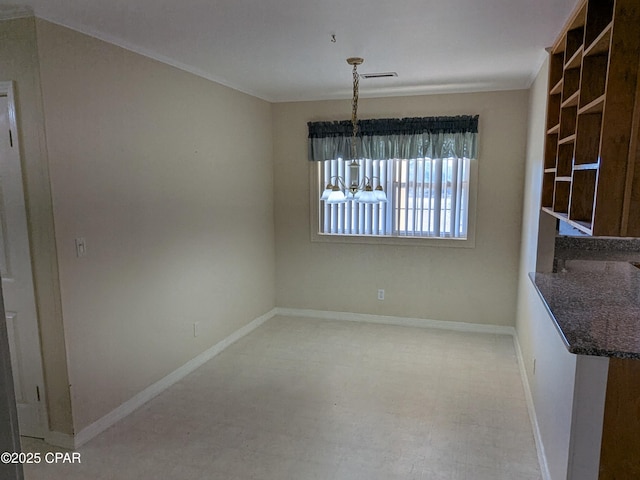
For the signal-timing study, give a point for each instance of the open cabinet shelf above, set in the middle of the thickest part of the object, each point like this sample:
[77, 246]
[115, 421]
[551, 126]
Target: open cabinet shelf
[592, 141]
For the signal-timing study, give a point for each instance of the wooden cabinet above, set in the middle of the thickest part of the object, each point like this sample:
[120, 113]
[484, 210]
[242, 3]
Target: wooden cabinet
[619, 457]
[592, 149]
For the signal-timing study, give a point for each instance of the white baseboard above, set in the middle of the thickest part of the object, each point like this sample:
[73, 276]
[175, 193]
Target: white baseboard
[456, 326]
[59, 439]
[100, 425]
[542, 457]
[400, 321]
[13, 12]
[97, 427]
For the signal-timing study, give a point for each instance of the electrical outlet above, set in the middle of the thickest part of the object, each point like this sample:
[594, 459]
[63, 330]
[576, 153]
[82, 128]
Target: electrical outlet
[196, 329]
[381, 294]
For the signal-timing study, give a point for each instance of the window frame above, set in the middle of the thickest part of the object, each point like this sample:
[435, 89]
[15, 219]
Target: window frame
[315, 192]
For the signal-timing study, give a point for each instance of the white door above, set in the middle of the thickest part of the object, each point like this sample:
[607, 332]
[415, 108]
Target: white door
[17, 279]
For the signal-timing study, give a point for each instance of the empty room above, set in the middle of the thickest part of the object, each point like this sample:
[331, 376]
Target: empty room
[320, 240]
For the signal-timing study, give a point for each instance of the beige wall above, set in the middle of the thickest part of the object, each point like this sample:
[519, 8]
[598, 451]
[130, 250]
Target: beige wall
[169, 178]
[455, 284]
[19, 63]
[553, 380]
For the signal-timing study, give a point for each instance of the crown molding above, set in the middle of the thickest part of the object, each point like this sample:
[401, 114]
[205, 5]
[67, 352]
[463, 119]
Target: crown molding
[118, 42]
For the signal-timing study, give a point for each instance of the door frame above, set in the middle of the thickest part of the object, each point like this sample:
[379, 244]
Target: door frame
[7, 89]
[9, 430]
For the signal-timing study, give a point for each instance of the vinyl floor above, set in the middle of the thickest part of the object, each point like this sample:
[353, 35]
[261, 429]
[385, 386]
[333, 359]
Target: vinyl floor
[305, 399]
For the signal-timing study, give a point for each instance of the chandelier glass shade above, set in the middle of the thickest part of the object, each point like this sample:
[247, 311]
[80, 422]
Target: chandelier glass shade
[358, 190]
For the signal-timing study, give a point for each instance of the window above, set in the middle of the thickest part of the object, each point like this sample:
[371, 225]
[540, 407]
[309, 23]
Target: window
[429, 196]
[425, 198]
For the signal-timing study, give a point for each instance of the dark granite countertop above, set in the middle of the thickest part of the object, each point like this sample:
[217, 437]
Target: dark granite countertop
[596, 248]
[595, 305]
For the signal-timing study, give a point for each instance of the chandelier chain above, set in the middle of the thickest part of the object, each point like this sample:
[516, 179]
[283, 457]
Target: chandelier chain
[358, 190]
[354, 110]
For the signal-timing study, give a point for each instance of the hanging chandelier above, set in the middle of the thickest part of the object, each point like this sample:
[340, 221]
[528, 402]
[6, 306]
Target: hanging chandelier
[359, 190]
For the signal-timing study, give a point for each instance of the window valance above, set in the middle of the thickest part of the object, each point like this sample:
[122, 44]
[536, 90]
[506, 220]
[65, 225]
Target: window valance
[389, 138]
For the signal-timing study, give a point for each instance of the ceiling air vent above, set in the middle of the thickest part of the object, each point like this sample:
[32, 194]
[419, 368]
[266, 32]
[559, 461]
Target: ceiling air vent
[378, 75]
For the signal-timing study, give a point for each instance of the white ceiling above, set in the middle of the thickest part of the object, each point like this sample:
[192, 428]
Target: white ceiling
[281, 50]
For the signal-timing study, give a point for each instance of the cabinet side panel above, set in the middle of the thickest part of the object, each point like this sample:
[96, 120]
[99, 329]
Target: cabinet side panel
[631, 215]
[588, 412]
[621, 430]
[617, 118]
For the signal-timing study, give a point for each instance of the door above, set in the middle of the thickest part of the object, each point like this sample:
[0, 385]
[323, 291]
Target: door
[17, 278]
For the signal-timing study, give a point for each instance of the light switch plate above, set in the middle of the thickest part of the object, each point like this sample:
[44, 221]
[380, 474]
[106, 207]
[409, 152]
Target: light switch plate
[81, 247]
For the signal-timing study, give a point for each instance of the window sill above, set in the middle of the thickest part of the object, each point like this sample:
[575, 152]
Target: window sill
[468, 242]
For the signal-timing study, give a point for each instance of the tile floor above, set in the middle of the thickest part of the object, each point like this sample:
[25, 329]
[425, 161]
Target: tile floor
[305, 399]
